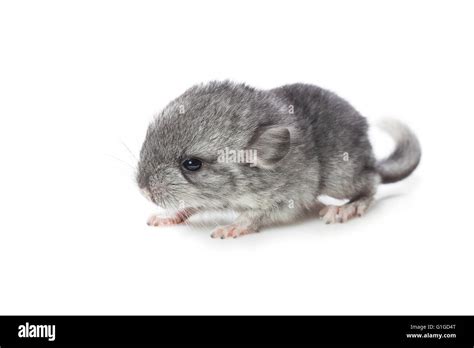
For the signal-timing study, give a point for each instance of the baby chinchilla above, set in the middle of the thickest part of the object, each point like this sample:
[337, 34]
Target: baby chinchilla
[267, 154]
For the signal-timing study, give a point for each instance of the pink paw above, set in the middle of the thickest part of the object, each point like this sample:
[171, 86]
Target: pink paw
[231, 231]
[156, 220]
[333, 214]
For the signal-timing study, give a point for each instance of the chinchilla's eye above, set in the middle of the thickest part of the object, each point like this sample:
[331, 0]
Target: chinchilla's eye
[192, 164]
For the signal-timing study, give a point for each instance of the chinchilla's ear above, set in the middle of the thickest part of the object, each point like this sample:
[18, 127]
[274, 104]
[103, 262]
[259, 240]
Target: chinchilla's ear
[270, 144]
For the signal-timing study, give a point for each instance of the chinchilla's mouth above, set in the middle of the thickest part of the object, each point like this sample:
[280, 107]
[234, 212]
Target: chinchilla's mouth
[146, 193]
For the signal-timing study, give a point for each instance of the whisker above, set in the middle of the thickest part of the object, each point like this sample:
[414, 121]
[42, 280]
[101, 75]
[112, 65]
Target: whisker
[121, 160]
[129, 151]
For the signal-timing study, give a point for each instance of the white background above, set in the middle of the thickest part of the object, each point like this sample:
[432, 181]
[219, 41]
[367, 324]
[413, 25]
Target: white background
[80, 80]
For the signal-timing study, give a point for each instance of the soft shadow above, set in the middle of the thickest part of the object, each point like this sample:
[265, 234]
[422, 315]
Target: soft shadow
[203, 225]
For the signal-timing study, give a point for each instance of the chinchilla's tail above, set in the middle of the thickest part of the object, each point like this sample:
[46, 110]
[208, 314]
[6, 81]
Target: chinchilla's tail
[406, 156]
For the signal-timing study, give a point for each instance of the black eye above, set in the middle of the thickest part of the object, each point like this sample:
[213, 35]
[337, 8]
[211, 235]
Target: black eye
[192, 164]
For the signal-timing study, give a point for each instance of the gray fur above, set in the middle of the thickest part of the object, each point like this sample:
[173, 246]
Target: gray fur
[406, 156]
[320, 148]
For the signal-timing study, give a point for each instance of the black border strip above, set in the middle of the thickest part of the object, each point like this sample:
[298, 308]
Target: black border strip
[243, 330]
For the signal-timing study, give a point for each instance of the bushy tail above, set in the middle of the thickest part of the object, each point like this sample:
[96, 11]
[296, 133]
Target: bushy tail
[406, 156]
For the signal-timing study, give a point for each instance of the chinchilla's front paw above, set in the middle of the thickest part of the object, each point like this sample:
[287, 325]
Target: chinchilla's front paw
[157, 220]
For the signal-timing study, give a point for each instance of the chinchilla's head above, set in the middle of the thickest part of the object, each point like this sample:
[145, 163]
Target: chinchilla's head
[210, 146]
